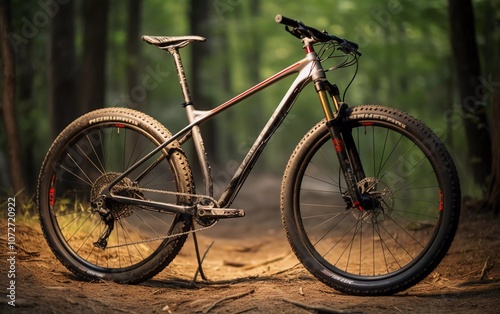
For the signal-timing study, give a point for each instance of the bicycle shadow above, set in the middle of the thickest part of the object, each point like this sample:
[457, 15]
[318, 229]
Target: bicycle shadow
[170, 283]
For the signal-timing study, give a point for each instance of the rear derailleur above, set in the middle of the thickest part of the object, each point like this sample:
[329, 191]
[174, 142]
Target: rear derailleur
[108, 219]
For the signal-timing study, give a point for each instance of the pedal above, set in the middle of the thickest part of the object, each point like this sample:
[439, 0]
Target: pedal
[219, 213]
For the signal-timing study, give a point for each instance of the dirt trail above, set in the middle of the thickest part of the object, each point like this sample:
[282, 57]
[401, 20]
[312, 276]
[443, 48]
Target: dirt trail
[251, 269]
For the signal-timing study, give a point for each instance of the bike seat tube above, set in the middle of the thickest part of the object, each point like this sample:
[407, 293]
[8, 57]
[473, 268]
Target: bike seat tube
[195, 130]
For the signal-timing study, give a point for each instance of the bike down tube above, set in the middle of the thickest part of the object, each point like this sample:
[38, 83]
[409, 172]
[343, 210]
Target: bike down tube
[270, 128]
[199, 117]
[203, 115]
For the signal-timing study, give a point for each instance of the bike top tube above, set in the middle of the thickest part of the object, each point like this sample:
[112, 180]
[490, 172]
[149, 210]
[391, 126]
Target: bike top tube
[307, 67]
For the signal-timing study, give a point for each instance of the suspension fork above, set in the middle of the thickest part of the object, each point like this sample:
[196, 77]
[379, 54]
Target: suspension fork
[343, 142]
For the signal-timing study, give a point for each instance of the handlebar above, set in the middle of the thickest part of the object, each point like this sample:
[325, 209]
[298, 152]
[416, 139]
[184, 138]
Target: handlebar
[300, 30]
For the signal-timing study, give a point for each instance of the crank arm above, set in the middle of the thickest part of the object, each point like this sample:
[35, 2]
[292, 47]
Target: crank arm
[217, 213]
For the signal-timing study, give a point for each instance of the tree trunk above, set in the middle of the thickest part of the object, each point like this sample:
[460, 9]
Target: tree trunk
[494, 194]
[64, 100]
[95, 19]
[25, 107]
[255, 49]
[132, 48]
[25, 71]
[8, 97]
[471, 88]
[200, 16]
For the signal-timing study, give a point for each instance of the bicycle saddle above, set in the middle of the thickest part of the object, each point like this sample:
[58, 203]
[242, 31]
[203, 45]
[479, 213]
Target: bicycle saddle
[164, 42]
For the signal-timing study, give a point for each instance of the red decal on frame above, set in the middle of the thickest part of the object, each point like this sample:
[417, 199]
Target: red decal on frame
[338, 145]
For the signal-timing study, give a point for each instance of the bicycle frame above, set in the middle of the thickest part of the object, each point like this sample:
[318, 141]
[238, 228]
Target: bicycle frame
[308, 69]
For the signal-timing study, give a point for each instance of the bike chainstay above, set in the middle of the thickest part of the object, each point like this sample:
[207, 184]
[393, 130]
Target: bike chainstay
[198, 196]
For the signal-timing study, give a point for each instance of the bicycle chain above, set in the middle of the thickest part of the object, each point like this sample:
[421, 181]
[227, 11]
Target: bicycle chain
[198, 196]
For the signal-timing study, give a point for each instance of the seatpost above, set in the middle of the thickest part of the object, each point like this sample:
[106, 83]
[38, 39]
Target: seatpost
[174, 51]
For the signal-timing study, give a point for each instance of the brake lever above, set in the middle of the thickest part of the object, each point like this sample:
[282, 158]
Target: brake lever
[346, 48]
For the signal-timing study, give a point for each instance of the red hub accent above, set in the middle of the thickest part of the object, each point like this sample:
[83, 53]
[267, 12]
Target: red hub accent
[358, 205]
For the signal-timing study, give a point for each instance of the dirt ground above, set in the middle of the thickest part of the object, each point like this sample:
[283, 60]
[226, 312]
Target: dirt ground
[251, 269]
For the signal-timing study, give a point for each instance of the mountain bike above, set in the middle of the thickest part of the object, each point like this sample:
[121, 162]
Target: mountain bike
[370, 197]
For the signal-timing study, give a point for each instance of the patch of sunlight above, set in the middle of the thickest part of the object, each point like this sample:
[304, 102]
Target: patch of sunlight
[346, 5]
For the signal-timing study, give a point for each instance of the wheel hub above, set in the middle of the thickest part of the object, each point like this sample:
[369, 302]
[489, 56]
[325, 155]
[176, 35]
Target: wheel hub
[378, 202]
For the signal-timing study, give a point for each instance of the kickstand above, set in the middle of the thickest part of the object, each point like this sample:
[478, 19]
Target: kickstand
[200, 260]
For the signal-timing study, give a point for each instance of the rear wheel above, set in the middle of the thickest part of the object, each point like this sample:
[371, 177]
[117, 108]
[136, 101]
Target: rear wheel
[415, 195]
[107, 239]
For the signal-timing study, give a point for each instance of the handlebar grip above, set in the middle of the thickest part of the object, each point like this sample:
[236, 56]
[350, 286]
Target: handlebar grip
[286, 21]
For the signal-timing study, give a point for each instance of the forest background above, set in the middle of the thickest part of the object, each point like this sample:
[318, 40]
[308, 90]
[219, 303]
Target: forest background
[437, 60]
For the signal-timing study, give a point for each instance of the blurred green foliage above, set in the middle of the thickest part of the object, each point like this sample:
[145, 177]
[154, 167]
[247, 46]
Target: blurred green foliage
[406, 63]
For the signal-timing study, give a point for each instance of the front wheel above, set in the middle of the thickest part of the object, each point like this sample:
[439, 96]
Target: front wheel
[415, 189]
